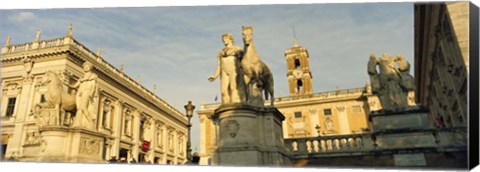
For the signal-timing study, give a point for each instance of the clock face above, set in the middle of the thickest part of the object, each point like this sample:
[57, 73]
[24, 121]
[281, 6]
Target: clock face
[298, 73]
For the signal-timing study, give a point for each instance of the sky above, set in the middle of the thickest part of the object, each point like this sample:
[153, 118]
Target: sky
[175, 48]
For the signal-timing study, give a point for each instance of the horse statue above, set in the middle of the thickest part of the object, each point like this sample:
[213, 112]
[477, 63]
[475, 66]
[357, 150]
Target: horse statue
[257, 75]
[407, 81]
[56, 98]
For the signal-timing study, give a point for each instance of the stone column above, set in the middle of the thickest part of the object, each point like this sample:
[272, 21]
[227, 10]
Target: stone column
[313, 121]
[21, 113]
[150, 136]
[117, 128]
[343, 120]
[135, 133]
[100, 114]
[175, 147]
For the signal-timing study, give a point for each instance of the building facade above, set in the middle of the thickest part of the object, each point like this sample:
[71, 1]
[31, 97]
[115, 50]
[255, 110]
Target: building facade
[129, 122]
[442, 59]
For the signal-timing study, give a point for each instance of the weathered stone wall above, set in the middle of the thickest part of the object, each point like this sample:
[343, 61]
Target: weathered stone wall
[434, 160]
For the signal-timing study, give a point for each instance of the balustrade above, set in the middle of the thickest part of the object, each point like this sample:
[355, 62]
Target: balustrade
[340, 143]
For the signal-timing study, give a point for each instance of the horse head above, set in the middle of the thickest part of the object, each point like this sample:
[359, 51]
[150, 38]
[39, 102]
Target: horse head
[52, 78]
[247, 35]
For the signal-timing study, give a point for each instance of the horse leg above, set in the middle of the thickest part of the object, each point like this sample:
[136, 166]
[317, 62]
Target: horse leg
[247, 88]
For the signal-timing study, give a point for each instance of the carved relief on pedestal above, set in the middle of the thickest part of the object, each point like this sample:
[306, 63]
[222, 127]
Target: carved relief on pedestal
[232, 127]
[32, 138]
[89, 146]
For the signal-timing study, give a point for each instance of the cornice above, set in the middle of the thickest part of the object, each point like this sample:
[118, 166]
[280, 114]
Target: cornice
[79, 53]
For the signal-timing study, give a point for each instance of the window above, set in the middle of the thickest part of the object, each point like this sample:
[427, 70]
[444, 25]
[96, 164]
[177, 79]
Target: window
[298, 114]
[127, 123]
[123, 154]
[11, 106]
[42, 98]
[142, 129]
[297, 63]
[106, 114]
[327, 112]
[299, 85]
[159, 137]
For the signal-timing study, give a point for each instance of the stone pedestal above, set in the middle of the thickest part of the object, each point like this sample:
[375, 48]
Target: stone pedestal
[249, 136]
[63, 144]
[405, 129]
[413, 119]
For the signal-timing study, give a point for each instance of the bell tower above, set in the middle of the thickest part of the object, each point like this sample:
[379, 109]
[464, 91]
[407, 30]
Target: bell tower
[298, 69]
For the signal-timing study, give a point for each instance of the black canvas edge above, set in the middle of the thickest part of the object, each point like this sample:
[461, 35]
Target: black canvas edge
[473, 85]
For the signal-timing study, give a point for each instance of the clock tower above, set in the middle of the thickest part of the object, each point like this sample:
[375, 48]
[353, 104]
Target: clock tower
[298, 70]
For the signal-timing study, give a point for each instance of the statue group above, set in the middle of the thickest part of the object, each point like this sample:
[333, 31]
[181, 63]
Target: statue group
[58, 103]
[391, 82]
[243, 75]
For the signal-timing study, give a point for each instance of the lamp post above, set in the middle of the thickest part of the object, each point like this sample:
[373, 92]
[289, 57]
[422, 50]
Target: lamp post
[189, 112]
[318, 130]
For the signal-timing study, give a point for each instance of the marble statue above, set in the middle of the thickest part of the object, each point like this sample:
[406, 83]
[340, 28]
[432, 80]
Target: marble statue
[87, 91]
[70, 30]
[391, 83]
[28, 64]
[229, 70]
[56, 98]
[37, 37]
[244, 77]
[372, 72]
[257, 75]
[7, 42]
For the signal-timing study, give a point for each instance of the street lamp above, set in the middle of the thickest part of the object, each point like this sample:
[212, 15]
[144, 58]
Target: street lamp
[189, 112]
[318, 129]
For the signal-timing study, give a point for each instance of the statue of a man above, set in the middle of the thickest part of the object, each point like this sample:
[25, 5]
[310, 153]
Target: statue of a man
[37, 37]
[70, 30]
[229, 70]
[87, 89]
[7, 42]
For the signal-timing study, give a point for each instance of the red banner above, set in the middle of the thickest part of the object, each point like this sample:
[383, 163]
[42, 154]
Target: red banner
[145, 145]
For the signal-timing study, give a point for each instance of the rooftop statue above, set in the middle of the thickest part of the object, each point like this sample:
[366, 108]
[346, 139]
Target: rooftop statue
[391, 82]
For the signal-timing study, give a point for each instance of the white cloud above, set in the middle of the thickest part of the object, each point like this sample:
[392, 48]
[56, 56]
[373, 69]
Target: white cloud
[22, 16]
